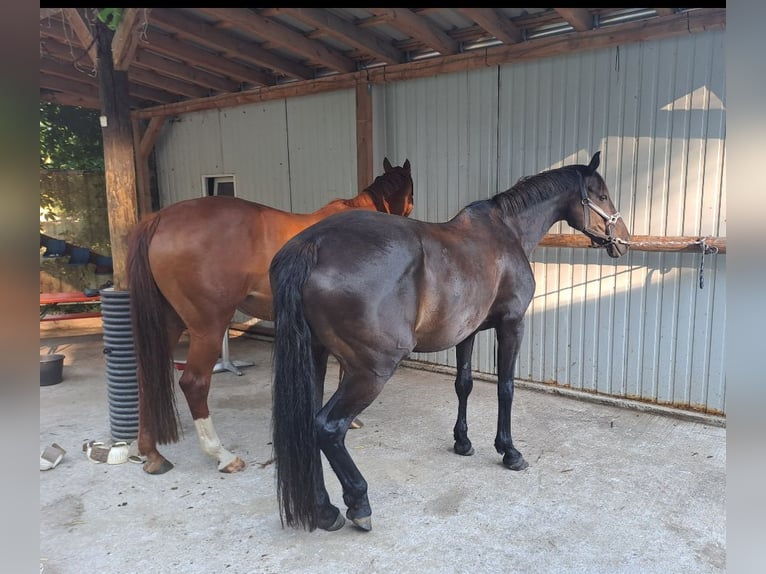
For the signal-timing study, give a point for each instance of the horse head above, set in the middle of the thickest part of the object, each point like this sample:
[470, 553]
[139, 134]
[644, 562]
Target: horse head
[393, 192]
[606, 229]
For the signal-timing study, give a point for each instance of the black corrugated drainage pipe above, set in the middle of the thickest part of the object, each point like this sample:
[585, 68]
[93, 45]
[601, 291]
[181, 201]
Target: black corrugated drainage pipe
[122, 382]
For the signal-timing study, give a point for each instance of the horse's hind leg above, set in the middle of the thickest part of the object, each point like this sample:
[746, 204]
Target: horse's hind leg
[463, 388]
[154, 462]
[509, 339]
[330, 517]
[195, 383]
[354, 394]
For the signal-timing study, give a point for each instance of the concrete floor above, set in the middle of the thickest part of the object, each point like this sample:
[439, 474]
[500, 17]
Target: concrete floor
[608, 489]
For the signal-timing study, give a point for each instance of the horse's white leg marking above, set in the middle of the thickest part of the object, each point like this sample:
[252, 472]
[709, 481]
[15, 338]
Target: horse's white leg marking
[211, 444]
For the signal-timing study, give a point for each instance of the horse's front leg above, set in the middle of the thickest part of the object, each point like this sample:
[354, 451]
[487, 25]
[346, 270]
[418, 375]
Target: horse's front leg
[509, 335]
[195, 383]
[463, 388]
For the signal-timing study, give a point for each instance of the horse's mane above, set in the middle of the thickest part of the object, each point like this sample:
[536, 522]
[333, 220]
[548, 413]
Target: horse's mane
[530, 190]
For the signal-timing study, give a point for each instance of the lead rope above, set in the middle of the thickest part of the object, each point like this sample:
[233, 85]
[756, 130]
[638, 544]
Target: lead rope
[705, 249]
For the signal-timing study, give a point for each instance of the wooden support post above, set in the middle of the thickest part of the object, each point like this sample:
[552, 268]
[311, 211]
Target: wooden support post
[143, 143]
[119, 159]
[364, 165]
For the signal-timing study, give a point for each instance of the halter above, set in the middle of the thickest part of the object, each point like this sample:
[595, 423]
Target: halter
[609, 220]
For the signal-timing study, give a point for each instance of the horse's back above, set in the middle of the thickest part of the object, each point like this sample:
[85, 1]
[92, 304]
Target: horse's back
[421, 286]
[211, 249]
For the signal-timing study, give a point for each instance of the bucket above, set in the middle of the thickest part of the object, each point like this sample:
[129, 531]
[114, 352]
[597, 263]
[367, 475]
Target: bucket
[51, 369]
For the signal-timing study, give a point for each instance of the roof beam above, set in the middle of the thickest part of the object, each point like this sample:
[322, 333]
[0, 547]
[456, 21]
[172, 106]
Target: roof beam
[495, 23]
[63, 99]
[198, 57]
[82, 31]
[48, 12]
[599, 38]
[182, 51]
[157, 81]
[151, 61]
[58, 76]
[419, 28]
[208, 35]
[53, 77]
[125, 40]
[580, 18]
[343, 30]
[159, 65]
[282, 36]
[665, 11]
[64, 53]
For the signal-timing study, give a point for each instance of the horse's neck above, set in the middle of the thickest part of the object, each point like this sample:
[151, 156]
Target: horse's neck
[535, 221]
[361, 201]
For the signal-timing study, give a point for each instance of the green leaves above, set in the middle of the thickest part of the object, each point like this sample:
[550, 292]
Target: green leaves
[111, 17]
[70, 138]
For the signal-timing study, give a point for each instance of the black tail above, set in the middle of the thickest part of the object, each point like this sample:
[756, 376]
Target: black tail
[298, 461]
[148, 314]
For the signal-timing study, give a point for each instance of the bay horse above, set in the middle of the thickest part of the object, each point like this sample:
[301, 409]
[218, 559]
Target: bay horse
[191, 265]
[370, 290]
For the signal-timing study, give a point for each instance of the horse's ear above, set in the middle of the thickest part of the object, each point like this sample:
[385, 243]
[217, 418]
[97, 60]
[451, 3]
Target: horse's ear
[595, 160]
[386, 165]
[407, 165]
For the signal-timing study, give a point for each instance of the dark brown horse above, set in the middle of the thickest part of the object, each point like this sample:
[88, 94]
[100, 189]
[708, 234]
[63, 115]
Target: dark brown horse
[370, 290]
[191, 265]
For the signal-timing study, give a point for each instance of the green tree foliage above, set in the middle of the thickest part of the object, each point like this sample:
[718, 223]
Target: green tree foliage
[70, 138]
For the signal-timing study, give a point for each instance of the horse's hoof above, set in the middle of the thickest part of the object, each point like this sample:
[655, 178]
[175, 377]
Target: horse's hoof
[153, 467]
[362, 522]
[356, 424]
[515, 464]
[235, 465]
[463, 451]
[337, 525]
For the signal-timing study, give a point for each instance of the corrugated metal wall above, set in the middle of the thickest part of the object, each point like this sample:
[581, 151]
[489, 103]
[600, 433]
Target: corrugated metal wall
[637, 327]
[297, 154]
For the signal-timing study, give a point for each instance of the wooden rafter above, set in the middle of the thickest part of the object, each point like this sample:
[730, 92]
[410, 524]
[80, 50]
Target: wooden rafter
[211, 62]
[344, 31]
[208, 35]
[495, 23]
[151, 61]
[282, 36]
[205, 53]
[599, 38]
[149, 78]
[126, 36]
[420, 28]
[81, 30]
[580, 18]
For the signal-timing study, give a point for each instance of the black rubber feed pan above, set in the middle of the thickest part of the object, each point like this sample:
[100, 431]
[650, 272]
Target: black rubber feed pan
[51, 369]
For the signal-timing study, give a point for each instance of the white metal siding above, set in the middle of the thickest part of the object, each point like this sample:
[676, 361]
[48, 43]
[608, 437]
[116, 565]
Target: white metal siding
[189, 147]
[322, 144]
[636, 327]
[296, 155]
[254, 144]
